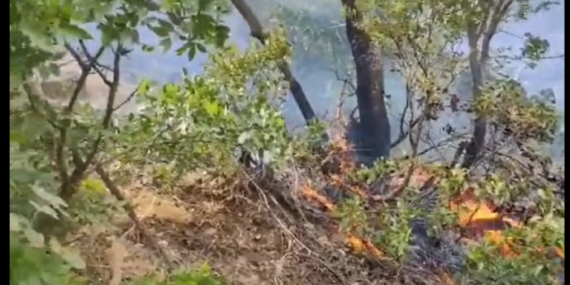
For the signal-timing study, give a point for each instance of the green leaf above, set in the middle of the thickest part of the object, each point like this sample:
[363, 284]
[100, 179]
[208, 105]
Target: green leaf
[166, 44]
[75, 32]
[144, 87]
[201, 47]
[108, 34]
[191, 52]
[147, 48]
[160, 31]
[166, 25]
[52, 199]
[45, 209]
[212, 108]
[17, 137]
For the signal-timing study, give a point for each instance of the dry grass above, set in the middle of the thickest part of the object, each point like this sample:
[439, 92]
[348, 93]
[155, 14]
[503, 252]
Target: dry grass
[242, 232]
[257, 229]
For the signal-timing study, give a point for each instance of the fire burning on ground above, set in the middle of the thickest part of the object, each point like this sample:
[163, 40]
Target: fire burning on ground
[478, 220]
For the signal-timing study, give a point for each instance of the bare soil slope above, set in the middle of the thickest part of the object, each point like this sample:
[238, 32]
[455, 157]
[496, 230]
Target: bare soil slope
[240, 233]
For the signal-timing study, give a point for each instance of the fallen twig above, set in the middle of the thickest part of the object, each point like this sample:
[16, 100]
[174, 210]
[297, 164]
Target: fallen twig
[130, 211]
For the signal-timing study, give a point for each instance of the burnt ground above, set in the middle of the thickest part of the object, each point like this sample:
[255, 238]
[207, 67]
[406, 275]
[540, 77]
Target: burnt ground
[243, 234]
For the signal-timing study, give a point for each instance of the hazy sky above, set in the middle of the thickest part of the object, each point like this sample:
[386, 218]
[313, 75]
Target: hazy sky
[322, 87]
[550, 73]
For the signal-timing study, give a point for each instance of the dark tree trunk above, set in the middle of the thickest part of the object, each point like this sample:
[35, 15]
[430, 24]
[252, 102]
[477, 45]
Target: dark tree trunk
[476, 144]
[296, 89]
[374, 126]
[257, 32]
[476, 63]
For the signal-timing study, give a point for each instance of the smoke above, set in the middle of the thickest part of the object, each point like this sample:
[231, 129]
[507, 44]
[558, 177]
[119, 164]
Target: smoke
[321, 83]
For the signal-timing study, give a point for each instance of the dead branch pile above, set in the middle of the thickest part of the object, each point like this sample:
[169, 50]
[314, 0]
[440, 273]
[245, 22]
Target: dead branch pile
[308, 195]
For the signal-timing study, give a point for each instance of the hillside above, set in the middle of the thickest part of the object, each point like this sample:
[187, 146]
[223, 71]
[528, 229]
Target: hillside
[117, 179]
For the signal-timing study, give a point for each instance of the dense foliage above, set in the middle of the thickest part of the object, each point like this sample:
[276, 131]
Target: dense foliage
[61, 154]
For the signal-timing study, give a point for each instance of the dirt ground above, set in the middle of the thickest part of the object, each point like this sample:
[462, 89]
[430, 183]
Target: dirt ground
[236, 232]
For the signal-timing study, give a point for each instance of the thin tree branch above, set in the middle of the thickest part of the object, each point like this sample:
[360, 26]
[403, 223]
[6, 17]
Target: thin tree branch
[80, 169]
[60, 155]
[256, 31]
[130, 211]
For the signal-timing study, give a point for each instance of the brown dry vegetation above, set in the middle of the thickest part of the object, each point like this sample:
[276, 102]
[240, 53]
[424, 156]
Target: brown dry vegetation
[262, 230]
[244, 233]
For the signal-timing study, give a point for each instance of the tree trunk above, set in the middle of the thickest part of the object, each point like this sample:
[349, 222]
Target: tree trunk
[294, 87]
[478, 58]
[477, 141]
[374, 125]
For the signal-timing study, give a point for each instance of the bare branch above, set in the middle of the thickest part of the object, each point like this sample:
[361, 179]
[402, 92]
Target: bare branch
[257, 32]
[346, 84]
[130, 211]
[86, 68]
[80, 169]
[60, 153]
[412, 124]
[498, 13]
[128, 99]
[96, 66]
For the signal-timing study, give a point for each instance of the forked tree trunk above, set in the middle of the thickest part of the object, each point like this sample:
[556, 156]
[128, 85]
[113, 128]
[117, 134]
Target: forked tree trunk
[483, 31]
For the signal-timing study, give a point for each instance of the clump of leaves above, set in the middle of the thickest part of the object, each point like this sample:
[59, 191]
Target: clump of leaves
[164, 177]
[460, 215]
[205, 120]
[507, 105]
[33, 265]
[93, 204]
